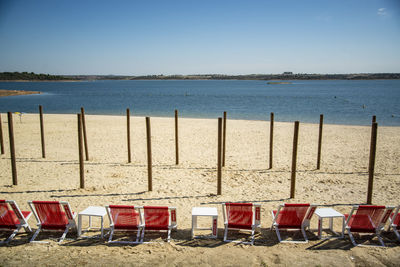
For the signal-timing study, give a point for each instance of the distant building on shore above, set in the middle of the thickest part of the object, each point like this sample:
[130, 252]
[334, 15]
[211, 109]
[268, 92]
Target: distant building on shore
[288, 73]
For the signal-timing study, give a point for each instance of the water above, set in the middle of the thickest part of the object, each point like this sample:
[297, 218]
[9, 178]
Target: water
[341, 102]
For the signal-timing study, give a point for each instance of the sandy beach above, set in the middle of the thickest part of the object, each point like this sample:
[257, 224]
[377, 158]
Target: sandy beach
[110, 179]
[16, 92]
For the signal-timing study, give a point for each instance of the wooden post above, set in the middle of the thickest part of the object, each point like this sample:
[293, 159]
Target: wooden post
[80, 146]
[371, 167]
[84, 133]
[42, 131]
[224, 141]
[1, 137]
[294, 159]
[149, 163]
[176, 139]
[219, 163]
[271, 140]
[373, 119]
[321, 123]
[12, 148]
[128, 133]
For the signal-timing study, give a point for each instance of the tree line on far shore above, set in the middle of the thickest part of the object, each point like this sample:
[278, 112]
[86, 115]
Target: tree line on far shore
[12, 76]
[26, 76]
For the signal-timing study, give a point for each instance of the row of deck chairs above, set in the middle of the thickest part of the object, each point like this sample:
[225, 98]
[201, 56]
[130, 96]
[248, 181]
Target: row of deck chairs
[58, 216]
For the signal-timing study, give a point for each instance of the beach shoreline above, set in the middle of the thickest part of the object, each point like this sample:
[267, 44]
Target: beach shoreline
[4, 93]
[110, 179]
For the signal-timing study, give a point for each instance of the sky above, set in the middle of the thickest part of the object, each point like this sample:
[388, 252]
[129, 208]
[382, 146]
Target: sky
[199, 37]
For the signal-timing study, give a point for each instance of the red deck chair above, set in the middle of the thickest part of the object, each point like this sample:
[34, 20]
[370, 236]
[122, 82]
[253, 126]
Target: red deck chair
[241, 216]
[159, 219]
[13, 219]
[395, 222]
[125, 219]
[292, 217]
[367, 219]
[52, 216]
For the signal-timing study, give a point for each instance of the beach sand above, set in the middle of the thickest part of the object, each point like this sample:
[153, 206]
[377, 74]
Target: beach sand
[110, 179]
[16, 92]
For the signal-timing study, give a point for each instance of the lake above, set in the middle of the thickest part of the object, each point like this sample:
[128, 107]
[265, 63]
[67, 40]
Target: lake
[341, 101]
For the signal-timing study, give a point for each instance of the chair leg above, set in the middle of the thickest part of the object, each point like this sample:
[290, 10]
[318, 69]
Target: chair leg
[138, 235]
[169, 235]
[278, 234]
[352, 238]
[64, 235]
[397, 233]
[380, 239]
[111, 234]
[35, 234]
[304, 234]
[225, 233]
[252, 235]
[11, 236]
[142, 237]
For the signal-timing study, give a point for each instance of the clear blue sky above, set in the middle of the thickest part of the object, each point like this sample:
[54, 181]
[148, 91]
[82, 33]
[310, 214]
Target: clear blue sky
[199, 37]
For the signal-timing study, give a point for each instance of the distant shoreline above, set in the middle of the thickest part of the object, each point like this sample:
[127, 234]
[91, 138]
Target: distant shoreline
[4, 93]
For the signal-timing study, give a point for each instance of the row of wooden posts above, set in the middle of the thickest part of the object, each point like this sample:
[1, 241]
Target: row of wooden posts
[83, 147]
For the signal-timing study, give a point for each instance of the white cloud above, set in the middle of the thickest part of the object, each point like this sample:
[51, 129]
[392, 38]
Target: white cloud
[382, 12]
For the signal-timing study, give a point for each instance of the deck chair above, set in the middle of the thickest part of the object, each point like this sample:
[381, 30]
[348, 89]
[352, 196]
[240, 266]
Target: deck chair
[13, 219]
[159, 219]
[124, 219]
[292, 217]
[395, 222]
[241, 216]
[52, 216]
[367, 219]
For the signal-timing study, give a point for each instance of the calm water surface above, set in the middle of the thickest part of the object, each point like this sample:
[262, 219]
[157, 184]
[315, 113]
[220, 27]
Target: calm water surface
[341, 102]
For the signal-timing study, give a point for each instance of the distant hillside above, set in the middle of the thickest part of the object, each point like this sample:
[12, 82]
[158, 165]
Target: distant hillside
[14, 76]
[361, 76]
[25, 76]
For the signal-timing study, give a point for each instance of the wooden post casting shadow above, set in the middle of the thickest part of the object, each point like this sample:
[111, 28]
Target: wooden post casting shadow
[271, 140]
[128, 134]
[84, 133]
[80, 146]
[12, 148]
[321, 123]
[294, 159]
[176, 139]
[373, 119]
[219, 163]
[371, 167]
[42, 130]
[1, 137]
[224, 141]
[149, 163]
